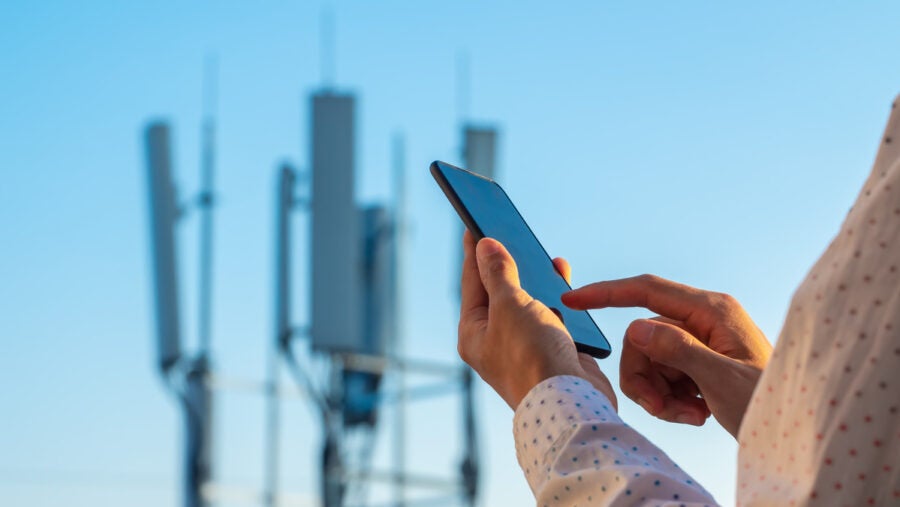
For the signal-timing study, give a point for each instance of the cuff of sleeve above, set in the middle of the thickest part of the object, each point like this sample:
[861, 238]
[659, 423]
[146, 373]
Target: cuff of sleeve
[550, 414]
[572, 396]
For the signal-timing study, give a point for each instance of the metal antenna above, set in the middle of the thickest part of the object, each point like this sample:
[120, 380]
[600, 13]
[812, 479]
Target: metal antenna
[282, 303]
[400, 227]
[205, 203]
[327, 56]
[463, 86]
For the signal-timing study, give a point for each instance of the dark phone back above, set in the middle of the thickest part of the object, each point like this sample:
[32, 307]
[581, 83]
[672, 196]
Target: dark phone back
[488, 212]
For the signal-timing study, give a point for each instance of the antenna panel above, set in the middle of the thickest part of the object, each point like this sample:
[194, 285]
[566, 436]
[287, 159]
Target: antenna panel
[163, 218]
[336, 260]
[480, 150]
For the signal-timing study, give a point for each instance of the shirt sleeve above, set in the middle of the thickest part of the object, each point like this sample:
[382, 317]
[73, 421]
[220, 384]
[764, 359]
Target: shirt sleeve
[576, 451]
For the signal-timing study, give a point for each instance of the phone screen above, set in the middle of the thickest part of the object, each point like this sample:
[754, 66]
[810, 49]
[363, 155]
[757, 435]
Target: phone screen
[488, 212]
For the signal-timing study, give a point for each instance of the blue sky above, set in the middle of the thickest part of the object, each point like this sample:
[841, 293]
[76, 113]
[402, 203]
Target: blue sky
[720, 146]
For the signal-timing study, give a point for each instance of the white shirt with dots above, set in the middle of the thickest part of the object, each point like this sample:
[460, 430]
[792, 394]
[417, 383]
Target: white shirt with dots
[823, 426]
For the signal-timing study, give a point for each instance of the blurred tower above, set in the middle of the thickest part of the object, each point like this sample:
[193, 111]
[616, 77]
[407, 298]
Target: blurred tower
[355, 323]
[184, 375]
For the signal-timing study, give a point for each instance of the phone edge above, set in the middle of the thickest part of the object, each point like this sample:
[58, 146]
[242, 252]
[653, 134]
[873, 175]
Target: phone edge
[455, 201]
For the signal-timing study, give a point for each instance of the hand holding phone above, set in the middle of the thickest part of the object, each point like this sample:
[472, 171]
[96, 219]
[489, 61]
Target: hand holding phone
[487, 211]
[513, 341]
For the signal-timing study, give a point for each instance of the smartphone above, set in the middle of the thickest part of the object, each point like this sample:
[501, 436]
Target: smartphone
[487, 211]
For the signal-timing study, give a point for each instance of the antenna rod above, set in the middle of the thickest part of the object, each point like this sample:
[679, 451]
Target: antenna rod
[283, 203]
[462, 87]
[400, 227]
[327, 57]
[205, 202]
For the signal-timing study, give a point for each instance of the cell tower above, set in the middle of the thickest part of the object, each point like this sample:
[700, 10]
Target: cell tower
[353, 366]
[355, 324]
[185, 374]
[355, 329]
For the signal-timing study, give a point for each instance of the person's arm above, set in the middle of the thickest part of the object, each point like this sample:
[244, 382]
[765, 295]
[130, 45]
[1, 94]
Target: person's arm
[575, 450]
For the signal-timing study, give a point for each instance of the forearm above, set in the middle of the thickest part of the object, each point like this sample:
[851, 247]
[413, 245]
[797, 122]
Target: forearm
[574, 449]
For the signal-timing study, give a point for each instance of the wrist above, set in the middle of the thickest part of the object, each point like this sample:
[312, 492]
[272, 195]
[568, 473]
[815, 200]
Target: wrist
[539, 371]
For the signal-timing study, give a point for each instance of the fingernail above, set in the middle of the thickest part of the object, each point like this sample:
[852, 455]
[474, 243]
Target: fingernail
[645, 405]
[686, 418]
[641, 332]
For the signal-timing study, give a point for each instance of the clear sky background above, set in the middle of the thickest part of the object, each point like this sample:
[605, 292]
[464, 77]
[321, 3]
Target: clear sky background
[716, 145]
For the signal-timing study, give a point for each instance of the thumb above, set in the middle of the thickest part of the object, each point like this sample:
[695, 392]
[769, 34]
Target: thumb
[672, 346]
[497, 268]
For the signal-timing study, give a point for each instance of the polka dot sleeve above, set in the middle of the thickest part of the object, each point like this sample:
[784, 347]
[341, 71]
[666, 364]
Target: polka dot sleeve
[575, 450]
